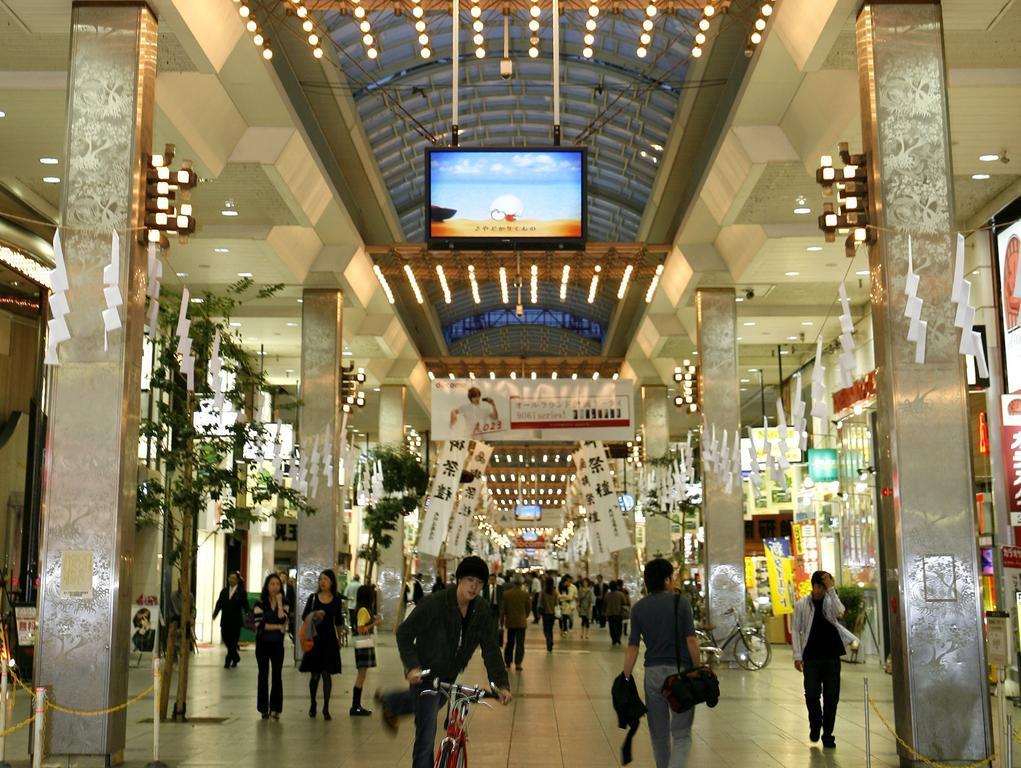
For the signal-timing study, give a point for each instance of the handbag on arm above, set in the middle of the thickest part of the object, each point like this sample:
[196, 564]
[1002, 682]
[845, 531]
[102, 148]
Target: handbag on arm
[696, 686]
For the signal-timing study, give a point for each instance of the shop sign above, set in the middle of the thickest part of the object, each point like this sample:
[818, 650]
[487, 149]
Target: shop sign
[779, 567]
[1011, 445]
[1008, 247]
[530, 541]
[1010, 408]
[805, 547]
[822, 465]
[864, 389]
[1011, 557]
[793, 453]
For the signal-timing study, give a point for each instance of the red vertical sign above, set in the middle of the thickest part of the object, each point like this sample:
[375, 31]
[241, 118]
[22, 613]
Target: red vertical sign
[1011, 446]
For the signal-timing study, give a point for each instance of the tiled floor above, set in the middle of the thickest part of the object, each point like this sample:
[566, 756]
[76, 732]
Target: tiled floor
[561, 717]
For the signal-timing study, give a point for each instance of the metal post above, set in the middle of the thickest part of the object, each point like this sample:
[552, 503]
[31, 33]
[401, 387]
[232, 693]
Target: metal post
[1001, 700]
[456, 62]
[1010, 740]
[156, 684]
[4, 682]
[40, 719]
[556, 72]
[868, 733]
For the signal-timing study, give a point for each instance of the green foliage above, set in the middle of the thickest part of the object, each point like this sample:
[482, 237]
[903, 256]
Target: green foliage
[853, 598]
[205, 462]
[405, 481]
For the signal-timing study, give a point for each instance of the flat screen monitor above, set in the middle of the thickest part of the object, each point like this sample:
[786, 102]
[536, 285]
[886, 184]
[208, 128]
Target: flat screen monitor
[505, 196]
[527, 512]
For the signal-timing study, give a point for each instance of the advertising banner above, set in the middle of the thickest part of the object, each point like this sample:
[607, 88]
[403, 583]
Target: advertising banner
[521, 410]
[822, 465]
[805, 547]
[793, 453]
[441, 497]
[1008, 249]
[1010, 440]
[468, 501]
[781, 577]
[600, 498]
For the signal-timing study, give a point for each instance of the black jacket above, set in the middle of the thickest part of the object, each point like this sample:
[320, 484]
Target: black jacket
[232, 610]
[630, 710]
[430, 638]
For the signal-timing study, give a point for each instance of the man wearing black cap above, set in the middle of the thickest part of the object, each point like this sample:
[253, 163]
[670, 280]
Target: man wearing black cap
[441, 636]
[819, 640]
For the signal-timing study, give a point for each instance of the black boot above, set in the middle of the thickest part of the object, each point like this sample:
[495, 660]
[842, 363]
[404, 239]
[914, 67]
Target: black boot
[356, 704]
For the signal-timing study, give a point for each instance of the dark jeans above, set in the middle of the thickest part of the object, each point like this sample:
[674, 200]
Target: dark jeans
[616, 628]
[548, 620]
[535, 609]
[425, 709]
[597, 612]
[515, 645]
[270, 654]
[822, 677]
[230, 636]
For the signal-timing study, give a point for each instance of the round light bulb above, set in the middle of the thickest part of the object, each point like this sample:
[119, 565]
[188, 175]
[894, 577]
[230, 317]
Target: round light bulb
[372, 53]
[699, 38]
[593, 11]
[307, 25]
[368, 41]
[646, 38]
[245, 11]
[640, 53]
[756, 38]
[251, 26]
[426, 53]
[477, 25]
[420, 26]
[359, 12]
[586, 52]
[647, 25]
[709, 10]
[478, 40]
[423, 40]
[318, 53]
[536, 11]
[650, 11]
[590, 25]
[480, 53]
[302, 12]
[258, 39]
[313, 40]
[760, 24]
[267, 53]
[767, 9]
[589, 39]
[365, 27]
[476, 11]
[533, 25]
[533, 52]
[696, 52]
[417, 12]
[703, 25]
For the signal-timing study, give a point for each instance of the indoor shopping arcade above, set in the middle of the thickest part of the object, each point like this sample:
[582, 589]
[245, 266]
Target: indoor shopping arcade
[522, 383]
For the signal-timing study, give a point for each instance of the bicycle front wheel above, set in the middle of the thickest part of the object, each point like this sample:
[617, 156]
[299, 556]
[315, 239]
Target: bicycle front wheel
[444, 758]
[754, 652]
[461, 755]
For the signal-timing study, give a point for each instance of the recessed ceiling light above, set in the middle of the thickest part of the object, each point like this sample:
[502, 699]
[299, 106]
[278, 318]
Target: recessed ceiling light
[51, 179]
[989, 157]
[792, 338]
[656, 147]
[980, 176]
[289, 370]
[862, 273]
[48, 160]
[749, 324]
[230, 208]
[745, 381]
[2, 114]
[235, 324]
[740, 338]
[814, 248]
[245, 274]
[753, 370]
[791, 274]
[784, 352]
[301, 301]
[744, 389]
[197, 300]
[739, 298]
[348, 354]
[807, 322]
[802, 210]
[221, 250]
[182, 274]
[375, 389]
[292, 325]
[253, 338]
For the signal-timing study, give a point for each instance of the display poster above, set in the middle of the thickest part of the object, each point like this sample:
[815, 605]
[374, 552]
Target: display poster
[1010, 440]
[442, 494]
[805, 549]
[793, 453]
[1010, 560]
[468, 500]
[532, 409]
[1008, 248]
[76, 574]
[145, 621]
[27, 619]
[749, 574]
[600, 498]
[779, 566]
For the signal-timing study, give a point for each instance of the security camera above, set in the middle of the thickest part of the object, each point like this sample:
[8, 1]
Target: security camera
[749, 294]
[506, 68]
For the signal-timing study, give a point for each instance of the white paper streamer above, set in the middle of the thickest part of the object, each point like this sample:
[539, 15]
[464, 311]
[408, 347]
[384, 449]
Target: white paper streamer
[847, 366]
[798, 419]
[971, 340]
[918, 327]
[57, 329]
[215, 371]
[152, 290]
[820, 407]
[184, 341]
[112, 290]
[754, 476]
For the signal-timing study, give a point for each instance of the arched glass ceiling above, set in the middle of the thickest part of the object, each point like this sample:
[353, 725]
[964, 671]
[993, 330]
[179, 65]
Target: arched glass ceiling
[619, 106]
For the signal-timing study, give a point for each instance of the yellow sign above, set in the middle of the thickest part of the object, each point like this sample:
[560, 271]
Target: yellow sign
[793, 452]
[749, 574]
[781, 582]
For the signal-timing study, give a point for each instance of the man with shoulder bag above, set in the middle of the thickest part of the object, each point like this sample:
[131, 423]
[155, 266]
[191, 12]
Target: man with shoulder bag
[665, 623]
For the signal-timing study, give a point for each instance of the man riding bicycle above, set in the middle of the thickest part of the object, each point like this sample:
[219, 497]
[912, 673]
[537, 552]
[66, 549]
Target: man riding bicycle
[441, 636]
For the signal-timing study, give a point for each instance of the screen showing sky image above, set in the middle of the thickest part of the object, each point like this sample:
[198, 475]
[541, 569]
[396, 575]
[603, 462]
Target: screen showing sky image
[506, 194]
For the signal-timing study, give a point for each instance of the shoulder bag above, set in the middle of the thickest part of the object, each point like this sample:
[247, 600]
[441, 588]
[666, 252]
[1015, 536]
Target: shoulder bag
[686, 689]
[308, 630]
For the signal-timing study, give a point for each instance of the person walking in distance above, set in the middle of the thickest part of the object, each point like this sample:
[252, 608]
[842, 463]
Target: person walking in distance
[613, 610]
[535, 589]
[367, 619]
[324, 611]
[270, 627]
[568, 601]
[819, 640]
[586, 598]
[441, 636]
[663, 620]
[514, 609]
[350, 598]
[599, 592]
[493, 594]
[549, 603]
[231, 606]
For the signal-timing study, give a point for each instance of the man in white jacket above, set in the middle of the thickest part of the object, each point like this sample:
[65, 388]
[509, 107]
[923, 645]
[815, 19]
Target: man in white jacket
[819, 641]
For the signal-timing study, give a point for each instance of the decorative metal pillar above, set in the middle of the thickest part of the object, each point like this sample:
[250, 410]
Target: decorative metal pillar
[657, 444]
[720, 403]
[941, 699]
[390, 572]
[91, 464]
[319, 423]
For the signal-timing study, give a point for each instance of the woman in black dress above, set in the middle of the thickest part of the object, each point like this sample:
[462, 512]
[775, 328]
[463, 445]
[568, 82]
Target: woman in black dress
[323, 660]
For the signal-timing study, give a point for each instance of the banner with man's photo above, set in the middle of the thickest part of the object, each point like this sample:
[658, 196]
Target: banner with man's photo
[520, 410]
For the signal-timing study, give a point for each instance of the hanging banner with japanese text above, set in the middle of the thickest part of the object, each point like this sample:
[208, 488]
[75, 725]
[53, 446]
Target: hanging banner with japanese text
[779, 567]
[805, 549]
[600, 498]
[598, 551]
[530, 409]
[468, 501]
[1010, 441]
[441, 497]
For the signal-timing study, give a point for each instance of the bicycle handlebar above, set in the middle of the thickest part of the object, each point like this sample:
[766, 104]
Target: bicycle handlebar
[471, 692]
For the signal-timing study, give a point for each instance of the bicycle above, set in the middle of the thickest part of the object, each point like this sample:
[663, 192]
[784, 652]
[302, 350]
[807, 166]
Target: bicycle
[453, 750]
[751, 647]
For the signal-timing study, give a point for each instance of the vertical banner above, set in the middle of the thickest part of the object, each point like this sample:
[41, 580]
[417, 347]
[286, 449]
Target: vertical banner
[604, 510]
[441, 497]
[600, 553]
[805, 549]
[468, 501]
[781, 577]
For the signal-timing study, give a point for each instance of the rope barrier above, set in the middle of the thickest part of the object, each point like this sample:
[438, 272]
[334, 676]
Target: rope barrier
[915, 754]
[27, 721]
[50, 704]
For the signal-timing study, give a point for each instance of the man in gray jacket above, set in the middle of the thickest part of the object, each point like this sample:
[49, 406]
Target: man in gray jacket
[819, 641]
